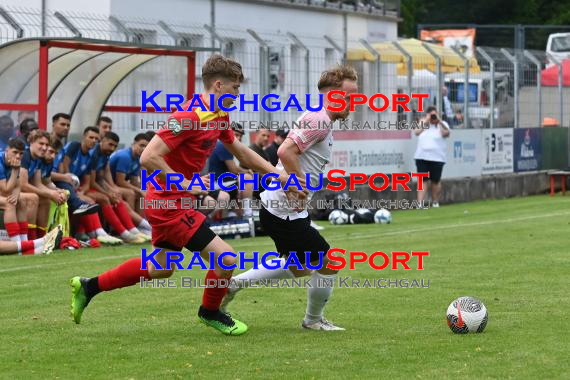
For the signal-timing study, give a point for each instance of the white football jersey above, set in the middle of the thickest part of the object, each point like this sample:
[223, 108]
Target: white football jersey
[315, 144]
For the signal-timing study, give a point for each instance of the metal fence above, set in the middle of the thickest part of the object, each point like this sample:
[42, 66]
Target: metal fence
[506, 90]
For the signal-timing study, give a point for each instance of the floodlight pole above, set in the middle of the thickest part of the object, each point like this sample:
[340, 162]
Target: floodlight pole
[465, 87]
[68, 24]
[336, 47]
[263, 66]
[438, 73]
[376, 55]
[514, 61]
[122, 28]
[491, 61]
[538, 83]
[410, 70]
[10, 20]
[298, 43]
[171, 33]
[560, 92]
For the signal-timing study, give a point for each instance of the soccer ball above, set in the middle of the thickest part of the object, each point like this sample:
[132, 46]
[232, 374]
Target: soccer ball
[76, 181]
[338, 217]
[467, 314]
[383, 216]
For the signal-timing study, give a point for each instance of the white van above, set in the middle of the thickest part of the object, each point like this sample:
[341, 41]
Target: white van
[480, 100]
[558, 46]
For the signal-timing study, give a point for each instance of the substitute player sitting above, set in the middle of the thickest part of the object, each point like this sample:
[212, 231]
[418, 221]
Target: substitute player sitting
[184, 151]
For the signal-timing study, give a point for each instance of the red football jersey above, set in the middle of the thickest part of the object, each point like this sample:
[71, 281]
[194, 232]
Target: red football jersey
[190, 146]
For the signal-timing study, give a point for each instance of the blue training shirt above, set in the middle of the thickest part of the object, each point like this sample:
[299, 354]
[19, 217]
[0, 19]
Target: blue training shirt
[5, 170]
[100, 160]
[30, 164]
[122, 161]
[80, 163]
[216, 162]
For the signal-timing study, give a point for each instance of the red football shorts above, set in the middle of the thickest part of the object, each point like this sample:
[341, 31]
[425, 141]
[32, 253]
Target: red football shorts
[172, 228]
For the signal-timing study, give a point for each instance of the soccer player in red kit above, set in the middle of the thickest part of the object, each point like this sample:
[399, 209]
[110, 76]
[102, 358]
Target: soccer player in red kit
[185, 150]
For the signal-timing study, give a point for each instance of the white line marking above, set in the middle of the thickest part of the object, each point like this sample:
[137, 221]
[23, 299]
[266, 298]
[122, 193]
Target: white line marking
[443, 227]
[350, 235]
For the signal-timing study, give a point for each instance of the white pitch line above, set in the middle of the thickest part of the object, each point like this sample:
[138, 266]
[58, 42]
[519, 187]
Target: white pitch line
[444, 227]
[376, 235]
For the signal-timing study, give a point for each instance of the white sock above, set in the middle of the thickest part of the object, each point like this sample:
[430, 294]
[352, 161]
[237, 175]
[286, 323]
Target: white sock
[134, 231]
[15, 238]
[318, 294]
[144, 225]
[23, 237]
[247, 211]
[262, 273]
[38, 245]
[125, 235]
[101, 232]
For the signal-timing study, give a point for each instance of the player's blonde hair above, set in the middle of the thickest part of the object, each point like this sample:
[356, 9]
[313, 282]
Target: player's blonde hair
[37, 134]
[220, 67]
[333, 78]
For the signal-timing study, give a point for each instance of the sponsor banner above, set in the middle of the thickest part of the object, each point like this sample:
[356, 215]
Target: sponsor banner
[527, 149]
[463, 154]
[554, 148]
[462, 39]
[497, 151]
[373, 156]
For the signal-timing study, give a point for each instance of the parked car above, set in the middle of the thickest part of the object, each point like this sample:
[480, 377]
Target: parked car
[480, 100]
[558, 46]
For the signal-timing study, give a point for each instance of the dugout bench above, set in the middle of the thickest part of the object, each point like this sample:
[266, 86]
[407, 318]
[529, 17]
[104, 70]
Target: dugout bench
[563, 174]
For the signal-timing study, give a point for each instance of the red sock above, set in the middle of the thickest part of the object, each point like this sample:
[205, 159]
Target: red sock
[123, 214]
[126, 274]
[212, 297]
[27, 247]
[13, 229]
[95, 222]
[32, 234]
[80, 229]
[111, 217]
[23, 228]
[86, 223]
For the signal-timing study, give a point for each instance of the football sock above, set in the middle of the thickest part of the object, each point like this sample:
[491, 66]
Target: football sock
[113, 220]
[31, 247]
[247, 211]
[213, 296]
[126, 274]
[23, 231]
[13, 230]
[318, 294]
[262, 273]
[135, 231]
[87, 222]
[123, 214]
[144, 225]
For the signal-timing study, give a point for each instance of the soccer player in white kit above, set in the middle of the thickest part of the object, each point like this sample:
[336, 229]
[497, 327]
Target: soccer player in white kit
[306, 150]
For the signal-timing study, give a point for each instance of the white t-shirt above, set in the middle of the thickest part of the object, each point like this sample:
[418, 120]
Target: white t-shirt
[432, 146]
[315, 144]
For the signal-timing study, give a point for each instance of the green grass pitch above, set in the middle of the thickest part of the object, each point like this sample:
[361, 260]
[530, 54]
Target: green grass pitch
[512, 254]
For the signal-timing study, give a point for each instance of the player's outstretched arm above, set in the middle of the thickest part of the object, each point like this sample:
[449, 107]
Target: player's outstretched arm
[289, 154]
[250, 158]
[152, 159]
[257, 163]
